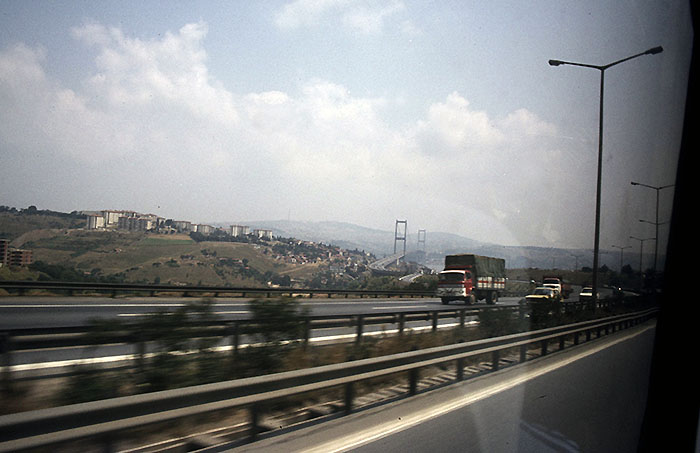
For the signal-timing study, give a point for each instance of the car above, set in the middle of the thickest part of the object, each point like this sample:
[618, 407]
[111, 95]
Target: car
[542, 294]
[556, 288]
[586, 294]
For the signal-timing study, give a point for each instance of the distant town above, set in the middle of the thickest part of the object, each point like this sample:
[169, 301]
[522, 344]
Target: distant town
[76, 232]
[135, 221]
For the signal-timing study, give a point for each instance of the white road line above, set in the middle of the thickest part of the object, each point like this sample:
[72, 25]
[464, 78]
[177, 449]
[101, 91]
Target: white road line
[117, 358]
[126, 315]
[400, 306]
[170, 304]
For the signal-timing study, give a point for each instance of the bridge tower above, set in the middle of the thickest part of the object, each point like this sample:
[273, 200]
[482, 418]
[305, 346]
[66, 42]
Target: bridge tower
[400, 235]
[421, 240]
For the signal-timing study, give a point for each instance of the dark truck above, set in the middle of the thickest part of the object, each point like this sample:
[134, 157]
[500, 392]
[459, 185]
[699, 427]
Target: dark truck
[470, 278]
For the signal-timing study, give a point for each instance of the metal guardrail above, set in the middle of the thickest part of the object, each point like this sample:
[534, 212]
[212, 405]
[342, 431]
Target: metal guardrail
[14, 341]
[23, 286]
[105, 419]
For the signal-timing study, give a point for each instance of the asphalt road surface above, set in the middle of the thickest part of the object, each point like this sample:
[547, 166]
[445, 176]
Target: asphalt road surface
[32, 312]
[590, 398]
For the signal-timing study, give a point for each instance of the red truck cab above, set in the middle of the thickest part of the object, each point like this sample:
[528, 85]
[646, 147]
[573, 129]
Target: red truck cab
[470, 278]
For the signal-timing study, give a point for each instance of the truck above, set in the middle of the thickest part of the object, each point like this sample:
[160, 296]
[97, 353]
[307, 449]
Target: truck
[558, 282]
[471, 278]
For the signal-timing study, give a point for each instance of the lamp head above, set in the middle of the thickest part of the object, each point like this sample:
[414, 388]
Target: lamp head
[555, 62]
[654, 50]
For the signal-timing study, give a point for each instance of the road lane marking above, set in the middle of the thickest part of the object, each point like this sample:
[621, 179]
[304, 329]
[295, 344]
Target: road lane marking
[126, 315]
[108, 305]
[117, 358]
[400, 306]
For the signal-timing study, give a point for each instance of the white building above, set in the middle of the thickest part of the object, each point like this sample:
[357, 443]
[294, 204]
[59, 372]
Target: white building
[204, 229]
[182, 226]
[111, 218]
[240, 230]
[95, 221]
[267, 234]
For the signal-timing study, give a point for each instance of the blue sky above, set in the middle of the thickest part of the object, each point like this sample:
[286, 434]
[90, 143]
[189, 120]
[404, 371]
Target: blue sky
[445, 114]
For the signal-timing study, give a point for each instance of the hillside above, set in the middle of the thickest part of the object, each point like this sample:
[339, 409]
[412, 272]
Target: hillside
[15, 223]
[140, 257]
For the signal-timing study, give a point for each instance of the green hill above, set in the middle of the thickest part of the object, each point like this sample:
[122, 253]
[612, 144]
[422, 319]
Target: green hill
[63, 250]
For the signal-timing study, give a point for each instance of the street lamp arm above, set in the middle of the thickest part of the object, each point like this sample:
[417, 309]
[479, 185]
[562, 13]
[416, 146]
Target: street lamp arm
[561, 62]
[651, 187]
[652, 51]
[642, 240]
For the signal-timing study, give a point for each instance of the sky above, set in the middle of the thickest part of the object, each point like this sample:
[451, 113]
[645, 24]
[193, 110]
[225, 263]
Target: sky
[445, 114]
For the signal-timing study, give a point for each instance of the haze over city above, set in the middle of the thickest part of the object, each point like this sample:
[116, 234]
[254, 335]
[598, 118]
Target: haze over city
[445, 114]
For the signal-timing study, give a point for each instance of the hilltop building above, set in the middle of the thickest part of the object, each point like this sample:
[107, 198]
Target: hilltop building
[4, 251]
[240, 230]
[263, 234]
[204, 229]
[20, 257]
[14, 257]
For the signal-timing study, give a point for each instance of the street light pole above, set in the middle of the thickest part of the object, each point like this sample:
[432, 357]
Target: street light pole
[641, 250]
[658, 189]
[621, 250]
[601, 68]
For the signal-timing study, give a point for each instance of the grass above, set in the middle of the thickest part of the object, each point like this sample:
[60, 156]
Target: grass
[165, 240]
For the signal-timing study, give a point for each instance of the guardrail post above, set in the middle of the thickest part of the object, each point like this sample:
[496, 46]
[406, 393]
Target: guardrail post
[495, 357]
[462, 316]
[6, 362]
[348, 397]
[413, 381]
[140, 345]
[543, 345]
[235, 340]
[360, 328]
[402, 323]
[254, 414]
[307, 332]
[107, 442]
[523, 353]
[435, 321]
[460, 369]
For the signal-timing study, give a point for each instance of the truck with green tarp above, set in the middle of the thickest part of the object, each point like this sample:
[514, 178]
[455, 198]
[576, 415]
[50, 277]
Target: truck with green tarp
[471, 278]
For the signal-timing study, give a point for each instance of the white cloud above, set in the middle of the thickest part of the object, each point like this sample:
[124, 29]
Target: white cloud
[459, 126]
[356, 16]
[152, 119]
[370, 20]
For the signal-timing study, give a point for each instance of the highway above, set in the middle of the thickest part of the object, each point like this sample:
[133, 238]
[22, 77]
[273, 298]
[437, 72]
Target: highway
[32, 312]
[588, 398]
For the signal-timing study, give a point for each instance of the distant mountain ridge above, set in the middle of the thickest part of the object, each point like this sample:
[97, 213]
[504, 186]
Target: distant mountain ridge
[438, 244]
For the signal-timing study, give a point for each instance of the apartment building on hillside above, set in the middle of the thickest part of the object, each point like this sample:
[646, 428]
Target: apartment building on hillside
[240, 230]
[4, 251]
[14, 257]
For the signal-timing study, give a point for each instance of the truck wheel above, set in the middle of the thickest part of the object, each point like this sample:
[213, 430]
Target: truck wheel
[470, 300]
[445, 301]
[491, 298]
